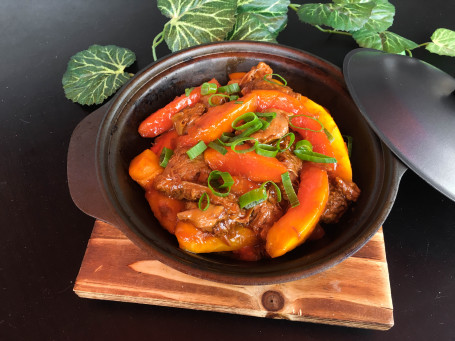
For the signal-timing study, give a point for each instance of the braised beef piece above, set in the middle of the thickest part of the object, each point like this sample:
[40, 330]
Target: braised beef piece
[341, 194]
[265, 214]
[181, 168]
[256, 72]
[204, 220]
[278, 127]
[185, 118]
[292, 163]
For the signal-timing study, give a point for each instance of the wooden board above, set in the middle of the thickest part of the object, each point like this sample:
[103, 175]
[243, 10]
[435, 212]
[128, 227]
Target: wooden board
[354, 293]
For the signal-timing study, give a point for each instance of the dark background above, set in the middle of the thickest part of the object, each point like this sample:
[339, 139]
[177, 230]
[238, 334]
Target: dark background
[44, 235]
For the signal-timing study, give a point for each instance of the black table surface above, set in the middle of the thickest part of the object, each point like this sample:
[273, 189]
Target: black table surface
[44, 235]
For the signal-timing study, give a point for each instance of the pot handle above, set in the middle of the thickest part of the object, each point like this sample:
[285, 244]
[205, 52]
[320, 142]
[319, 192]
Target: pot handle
[84, 185]
[400, 168]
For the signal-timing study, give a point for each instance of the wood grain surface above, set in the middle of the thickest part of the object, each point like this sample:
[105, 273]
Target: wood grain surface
[354, 293]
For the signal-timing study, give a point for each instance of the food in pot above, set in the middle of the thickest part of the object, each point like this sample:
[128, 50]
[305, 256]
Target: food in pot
[251, 168]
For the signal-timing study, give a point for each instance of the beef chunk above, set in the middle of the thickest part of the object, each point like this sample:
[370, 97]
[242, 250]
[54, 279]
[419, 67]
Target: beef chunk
[185, 118]
[341, 194]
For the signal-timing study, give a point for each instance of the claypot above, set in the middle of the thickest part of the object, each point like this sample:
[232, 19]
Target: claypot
[105, 142]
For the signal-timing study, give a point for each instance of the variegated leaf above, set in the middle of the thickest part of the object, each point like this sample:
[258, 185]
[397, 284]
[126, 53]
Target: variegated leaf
[195, 22]
[248, 26]
[95, 74]
[384, 41]
[339, 16]
[272, 13]
[443, 42]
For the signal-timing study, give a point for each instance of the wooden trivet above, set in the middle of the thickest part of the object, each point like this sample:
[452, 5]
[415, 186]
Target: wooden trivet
[354, 293]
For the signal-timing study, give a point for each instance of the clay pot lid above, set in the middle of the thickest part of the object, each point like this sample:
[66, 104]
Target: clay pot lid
[410, 105]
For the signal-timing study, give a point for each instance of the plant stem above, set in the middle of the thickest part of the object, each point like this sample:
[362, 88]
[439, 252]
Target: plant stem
[332, 31]
[158, 40]
[295, 7]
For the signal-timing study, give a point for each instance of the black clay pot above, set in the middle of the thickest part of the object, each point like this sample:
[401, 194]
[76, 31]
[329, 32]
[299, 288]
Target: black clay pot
[105, 142]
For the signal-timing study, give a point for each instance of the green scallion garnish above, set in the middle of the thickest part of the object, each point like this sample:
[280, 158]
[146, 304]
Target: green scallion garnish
[208, 88]
[196, 150]
[257, 196]
[249, 118]
[289, 189]
[288, 145]
[348, 140]
[266, 150]
[218, 147]
[213, 183]
[188, 91]
[310, 117]
[165, 155]
[205, 197]
[304, 151]
[241, 141]
[230, 88]
[271, 80]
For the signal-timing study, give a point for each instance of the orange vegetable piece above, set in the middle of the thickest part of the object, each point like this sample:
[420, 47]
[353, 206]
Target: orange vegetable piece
[160, 121]
[242, 185]
[343, 167]
[168, 140]
[236, 75]
[276, 99]
[250, 165]
[192, 239]
[217, 120]
[164, 208]
[298, 223]
[145, 167]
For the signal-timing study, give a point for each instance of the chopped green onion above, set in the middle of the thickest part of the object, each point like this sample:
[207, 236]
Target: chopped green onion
[238, 102]
[289, 189]
[188, 91]
[197, 150]
[165, 155]
[225, 138]
[250, 130]
[277, 75]
[252, 198]
[310, 117]
[249, 118]
[230, 88]
[314, 157]
[218, 147]
[304, 145]
[291, 141]
[233, 98]
[266, 150]
[257, 196]
[304, 151]
[277, 189]
[348, 140]
[329, 136]
[208, 88]
[214, 185]
[216, 95]
[240, 141]
[204, 197]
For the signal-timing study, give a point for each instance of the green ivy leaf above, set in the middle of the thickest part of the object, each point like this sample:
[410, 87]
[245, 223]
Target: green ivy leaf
[195, 22]
[443, 42]
[249, 26]
[381, 17]
[272, 13]
[94, 74]
[342, 16]
[384, 41]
